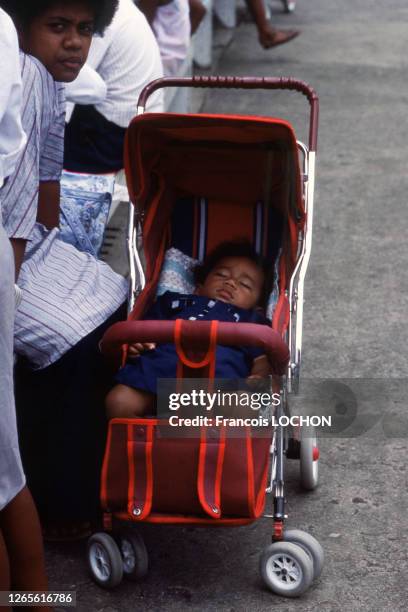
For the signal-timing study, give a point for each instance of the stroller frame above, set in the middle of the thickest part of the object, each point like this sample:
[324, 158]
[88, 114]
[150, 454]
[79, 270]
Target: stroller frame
[294, 445]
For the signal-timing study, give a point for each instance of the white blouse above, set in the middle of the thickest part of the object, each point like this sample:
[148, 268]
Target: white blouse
[12, 137]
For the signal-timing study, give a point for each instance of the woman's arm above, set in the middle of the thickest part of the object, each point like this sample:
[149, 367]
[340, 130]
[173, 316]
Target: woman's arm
[19, 247]
[149, 8]
[49, 204]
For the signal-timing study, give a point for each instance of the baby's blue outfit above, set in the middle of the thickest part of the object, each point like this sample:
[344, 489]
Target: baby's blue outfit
[232, 362]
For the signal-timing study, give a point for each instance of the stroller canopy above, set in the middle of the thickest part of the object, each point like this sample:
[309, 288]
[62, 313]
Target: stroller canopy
[234, 163]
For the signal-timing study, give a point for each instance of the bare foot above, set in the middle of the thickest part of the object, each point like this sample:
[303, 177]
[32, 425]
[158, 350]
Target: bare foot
[272, 38]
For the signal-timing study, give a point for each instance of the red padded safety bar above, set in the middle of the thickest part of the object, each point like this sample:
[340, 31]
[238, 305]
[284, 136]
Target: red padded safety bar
[196, 333]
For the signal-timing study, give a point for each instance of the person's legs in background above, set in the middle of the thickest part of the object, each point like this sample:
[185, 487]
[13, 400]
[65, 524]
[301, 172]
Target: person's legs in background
[267, 35]
[197, 13]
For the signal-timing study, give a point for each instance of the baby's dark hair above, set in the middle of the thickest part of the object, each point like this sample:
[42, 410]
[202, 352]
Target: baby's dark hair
[24, 11]
[233, 248]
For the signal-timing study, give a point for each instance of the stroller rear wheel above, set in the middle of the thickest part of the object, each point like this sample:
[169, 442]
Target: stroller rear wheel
[104, 560]
[134, 554]
[309, 458]
[286, 569]
[310, 545]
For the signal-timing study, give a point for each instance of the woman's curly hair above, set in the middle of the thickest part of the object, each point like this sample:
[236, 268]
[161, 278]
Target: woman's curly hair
[24, 11]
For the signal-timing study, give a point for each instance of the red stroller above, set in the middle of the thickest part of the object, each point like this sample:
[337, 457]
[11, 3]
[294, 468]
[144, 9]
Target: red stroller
[194, 181]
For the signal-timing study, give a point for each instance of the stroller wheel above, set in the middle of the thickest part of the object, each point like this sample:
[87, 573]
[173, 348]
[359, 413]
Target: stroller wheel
[134, 554]
[104, 560]
[310, 545]
[286, 569]
[309, 458]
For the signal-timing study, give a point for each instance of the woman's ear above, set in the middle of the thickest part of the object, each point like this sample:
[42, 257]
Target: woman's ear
[198, 289]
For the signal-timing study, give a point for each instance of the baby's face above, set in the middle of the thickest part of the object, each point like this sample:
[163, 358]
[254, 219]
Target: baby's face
[236, 280]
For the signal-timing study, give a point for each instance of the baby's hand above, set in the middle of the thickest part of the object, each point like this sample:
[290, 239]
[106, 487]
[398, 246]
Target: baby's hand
[136, 349]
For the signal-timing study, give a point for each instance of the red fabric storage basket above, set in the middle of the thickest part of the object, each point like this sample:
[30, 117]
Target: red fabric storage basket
[149, 470]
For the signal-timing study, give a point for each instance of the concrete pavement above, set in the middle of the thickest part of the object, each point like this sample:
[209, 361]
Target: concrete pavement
[353, 53]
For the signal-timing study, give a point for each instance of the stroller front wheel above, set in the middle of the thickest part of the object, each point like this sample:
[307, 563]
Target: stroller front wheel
[104, 560]
[286, 569]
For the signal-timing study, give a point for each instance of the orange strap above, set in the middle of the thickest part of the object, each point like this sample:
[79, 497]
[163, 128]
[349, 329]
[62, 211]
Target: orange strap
[210, 462]
[140, 486]
[211, 349]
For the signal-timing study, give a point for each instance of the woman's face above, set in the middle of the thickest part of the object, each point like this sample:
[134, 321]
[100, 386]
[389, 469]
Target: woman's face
[60, 38]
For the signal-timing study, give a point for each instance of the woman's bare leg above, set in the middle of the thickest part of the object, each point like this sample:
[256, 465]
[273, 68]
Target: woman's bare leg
[126, 402]
[4, 567]
[21, 535]
[4, 570]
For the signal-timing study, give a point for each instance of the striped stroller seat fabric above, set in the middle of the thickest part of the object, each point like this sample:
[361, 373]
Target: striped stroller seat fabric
[199, 224]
